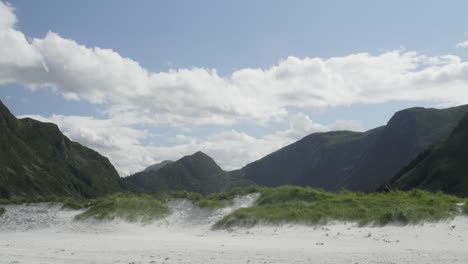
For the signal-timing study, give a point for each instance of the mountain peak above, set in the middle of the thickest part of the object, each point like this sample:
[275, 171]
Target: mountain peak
[200, 155]
[201, 162]
[196, 173]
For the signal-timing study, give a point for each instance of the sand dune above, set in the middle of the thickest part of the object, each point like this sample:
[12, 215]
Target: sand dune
[45, 233]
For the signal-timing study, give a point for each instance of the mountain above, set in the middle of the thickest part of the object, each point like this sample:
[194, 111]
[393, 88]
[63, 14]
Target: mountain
[157, 166]
[320, 160]
[36, 159]
[194, 173]
[440, 168]
[359, 161]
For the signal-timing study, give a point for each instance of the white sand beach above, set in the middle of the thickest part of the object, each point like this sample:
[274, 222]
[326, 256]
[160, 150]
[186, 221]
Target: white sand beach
[44, 233]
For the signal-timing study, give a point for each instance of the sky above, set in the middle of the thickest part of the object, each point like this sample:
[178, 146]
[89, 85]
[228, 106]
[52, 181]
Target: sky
[146, 81]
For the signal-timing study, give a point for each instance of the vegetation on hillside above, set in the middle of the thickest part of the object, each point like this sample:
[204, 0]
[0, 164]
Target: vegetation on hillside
[311, 206]
[37, 160]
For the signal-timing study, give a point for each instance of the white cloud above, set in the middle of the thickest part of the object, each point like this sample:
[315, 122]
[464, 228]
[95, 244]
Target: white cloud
[463, 44]
[16, 53]
[7, 17]
[200, 96]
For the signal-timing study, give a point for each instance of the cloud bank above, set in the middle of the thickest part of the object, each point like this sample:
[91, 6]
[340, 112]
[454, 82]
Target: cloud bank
[132, 95]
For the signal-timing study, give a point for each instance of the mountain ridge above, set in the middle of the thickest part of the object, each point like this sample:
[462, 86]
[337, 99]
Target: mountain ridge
[358, 161]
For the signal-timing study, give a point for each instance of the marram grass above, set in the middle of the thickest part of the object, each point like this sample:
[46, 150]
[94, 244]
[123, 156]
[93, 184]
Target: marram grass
[287, 204]
[147, 208]
[291, 204]
[127, 207]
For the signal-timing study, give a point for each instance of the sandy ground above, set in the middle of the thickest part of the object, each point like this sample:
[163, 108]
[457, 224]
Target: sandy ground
[46, 234]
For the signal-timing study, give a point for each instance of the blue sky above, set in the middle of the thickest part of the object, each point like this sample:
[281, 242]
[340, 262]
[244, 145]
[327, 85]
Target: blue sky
[254, 58]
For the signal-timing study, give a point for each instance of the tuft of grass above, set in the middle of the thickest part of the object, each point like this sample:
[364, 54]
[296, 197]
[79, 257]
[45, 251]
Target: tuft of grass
[2, 211]
[311, 206]
[465, 208]
[128, 207]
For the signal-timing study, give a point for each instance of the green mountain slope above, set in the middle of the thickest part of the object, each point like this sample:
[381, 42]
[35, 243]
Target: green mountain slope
[440, 168]
[356, 161]
[36, 159]
[194, 173]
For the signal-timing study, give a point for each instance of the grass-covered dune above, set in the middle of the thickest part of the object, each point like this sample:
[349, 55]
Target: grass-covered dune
[291, 204]
[146, 208]
[128, 207]
[132, 207]
[287, 204]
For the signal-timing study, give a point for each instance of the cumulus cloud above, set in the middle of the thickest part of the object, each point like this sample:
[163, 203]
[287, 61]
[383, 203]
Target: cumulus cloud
[201, 96]
[7, 17]
[132, 95]
[16, 53]
[463, 44]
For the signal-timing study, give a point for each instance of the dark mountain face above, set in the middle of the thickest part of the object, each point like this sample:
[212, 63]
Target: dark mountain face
[355, 161]
[320, 160]
[157, 166]
[194, 173]
[407, 133]
[441, 168]
[36, 159]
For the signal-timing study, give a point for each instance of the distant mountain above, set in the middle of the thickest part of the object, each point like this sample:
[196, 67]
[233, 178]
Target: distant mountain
[353, 160]
[440, 168]
[194, 173]
[157, 166]
[36, 159]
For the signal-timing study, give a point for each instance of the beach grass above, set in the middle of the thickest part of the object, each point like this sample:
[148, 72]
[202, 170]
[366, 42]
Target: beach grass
[127, 207]
[292, 204]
